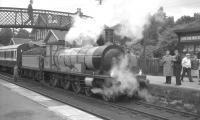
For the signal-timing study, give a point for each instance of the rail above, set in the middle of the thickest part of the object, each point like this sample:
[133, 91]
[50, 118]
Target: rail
[142, 109]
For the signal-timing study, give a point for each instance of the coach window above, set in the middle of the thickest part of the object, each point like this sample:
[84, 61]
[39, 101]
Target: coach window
[12, 54]
[1, 54]
[15, 53]
[8, 54]
[5, 54]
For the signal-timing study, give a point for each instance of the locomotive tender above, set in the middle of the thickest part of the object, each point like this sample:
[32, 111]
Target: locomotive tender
[80, 68]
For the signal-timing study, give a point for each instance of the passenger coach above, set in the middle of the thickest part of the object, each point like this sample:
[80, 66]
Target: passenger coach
[11, 56]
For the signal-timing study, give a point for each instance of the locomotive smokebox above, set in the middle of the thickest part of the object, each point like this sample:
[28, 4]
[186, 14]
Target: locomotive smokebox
[109, 36]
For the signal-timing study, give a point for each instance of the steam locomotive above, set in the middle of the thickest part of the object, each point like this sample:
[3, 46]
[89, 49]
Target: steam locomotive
[80, 69]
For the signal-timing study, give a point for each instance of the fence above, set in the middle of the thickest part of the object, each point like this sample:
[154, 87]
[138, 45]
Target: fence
[150, 66]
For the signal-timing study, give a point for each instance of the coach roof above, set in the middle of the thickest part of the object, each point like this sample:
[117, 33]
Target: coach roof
[10, 47]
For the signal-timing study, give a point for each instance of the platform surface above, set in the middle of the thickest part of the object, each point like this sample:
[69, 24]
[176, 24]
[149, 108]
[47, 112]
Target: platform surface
[17, 103]
[160, 80]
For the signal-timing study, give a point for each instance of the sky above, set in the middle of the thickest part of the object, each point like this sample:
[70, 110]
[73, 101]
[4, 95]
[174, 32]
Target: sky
[174, 8]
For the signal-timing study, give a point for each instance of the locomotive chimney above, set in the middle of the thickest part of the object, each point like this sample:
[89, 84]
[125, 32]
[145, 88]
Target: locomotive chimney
[109, 35]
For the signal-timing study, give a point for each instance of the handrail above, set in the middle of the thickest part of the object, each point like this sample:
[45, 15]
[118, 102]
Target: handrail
[11, 17]
[15, 9]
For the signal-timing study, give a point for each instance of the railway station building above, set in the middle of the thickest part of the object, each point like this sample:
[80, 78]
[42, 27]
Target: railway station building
[189, 40]
[45, 35]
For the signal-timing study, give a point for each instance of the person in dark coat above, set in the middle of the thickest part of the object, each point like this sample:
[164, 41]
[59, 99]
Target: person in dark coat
[177, 67]
[30, 13]
[167, 61]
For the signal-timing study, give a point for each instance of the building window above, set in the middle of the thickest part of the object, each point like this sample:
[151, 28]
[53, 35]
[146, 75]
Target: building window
[189, 37]
[195, 37]
[185, 48]
[191, 48]
[183, 38]
[198, 48]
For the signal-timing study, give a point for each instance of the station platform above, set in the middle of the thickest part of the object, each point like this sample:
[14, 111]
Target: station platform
[17, 103]
[188, 92]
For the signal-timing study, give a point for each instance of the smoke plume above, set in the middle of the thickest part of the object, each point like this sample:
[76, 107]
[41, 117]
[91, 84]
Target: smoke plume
[127, 18]
[124, 83]
[130, 15]
[145, 95]
[124, 80]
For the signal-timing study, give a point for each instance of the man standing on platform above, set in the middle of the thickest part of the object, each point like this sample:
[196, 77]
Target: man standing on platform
[177, 67]
[15, 73]
[186, 64]
[30, 13]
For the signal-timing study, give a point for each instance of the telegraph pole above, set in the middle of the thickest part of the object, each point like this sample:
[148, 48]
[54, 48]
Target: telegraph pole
[13, 34]
[146, 35]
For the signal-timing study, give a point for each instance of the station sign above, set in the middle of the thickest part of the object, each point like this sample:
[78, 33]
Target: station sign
[188, 38]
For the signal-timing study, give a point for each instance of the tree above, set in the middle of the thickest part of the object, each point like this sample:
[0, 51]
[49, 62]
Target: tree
[160, 15]
[22, 33]
[5, 36]
[185, 20]
[197, 16]
[158, 32]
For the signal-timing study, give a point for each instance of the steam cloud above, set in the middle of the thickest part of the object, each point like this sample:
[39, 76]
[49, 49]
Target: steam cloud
[124, 80]
[128, 18]
[130, 15]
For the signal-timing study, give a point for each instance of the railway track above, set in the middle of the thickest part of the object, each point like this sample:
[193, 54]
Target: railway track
[167, 109]
[138, 110]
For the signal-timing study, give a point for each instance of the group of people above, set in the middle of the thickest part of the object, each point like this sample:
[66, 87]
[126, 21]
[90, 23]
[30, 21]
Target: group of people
[175, 65]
